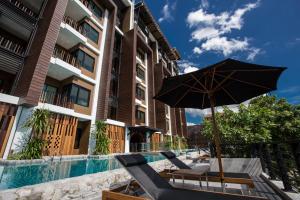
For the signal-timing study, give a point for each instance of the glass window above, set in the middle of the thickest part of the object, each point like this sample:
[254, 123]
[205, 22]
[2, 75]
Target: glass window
[140, 93]
[77, 138]
[95, 9]
[140, 115]
[140, 73]
[77, 94]
[141, 55]
[90, 32]
[85, 60]
[73, 93]
[49, 94]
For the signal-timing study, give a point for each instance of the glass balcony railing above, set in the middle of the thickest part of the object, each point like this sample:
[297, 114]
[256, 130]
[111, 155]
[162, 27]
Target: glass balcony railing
[11, 46]
[57, 99]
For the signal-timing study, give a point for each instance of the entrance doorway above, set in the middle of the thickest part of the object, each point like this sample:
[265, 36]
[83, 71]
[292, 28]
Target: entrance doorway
[137, 141]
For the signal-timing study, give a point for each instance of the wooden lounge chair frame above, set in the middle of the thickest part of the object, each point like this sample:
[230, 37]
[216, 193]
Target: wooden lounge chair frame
[117, 194]
[167, 173]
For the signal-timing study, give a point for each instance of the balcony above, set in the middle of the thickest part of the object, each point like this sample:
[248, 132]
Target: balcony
[11, 55]
[23, 8]
[12, 46]
[57, 99]
[66, 56]
[64, 65]
[71, 33]
[15, 17]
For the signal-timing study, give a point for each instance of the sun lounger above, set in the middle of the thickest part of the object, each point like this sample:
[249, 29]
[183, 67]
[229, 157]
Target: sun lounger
[229, 177]
[158, 188]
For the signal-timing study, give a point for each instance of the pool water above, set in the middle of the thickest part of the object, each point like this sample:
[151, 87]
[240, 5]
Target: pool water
[22, 175]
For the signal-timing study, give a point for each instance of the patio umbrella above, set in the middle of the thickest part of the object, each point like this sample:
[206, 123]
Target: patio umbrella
[224, 83]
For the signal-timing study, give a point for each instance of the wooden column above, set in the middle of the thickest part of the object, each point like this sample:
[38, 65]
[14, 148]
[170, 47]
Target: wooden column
[216, 138]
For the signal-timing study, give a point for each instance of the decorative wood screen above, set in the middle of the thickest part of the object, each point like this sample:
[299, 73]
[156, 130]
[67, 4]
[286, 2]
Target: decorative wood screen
[155, 140]
[116, 135]
[61, 135]
[7, 118]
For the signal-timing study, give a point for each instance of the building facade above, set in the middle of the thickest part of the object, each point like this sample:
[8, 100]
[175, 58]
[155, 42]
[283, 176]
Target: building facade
[84, 60]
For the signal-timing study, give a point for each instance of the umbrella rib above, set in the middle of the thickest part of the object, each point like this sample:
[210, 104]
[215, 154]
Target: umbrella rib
[250, 70]
[197, 89]
[184, 94]
[204, 87]
[223, 81]
[238, 80]
[212, 78]
[228, 93]
[177, 86]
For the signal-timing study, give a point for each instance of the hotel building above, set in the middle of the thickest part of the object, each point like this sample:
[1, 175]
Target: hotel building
[84, 60]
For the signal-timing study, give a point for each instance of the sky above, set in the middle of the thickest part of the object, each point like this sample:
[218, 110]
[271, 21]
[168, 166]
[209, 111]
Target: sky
[258, 31]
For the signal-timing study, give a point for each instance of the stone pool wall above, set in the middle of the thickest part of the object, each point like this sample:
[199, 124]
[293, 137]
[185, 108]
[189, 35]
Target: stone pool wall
[82, 187]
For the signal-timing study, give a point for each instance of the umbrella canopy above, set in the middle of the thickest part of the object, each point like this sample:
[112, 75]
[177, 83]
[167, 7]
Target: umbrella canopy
[229, 82]
[224, 83]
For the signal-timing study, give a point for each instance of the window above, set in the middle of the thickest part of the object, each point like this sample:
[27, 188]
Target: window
[140, 115]
[49, 94]
[78, 94]
[140, 93]
[140, 73]
[112, 113]
[85, 60]
[167, 125]
[78, 138]
[95, 9]
[141, 55]
[90, 32]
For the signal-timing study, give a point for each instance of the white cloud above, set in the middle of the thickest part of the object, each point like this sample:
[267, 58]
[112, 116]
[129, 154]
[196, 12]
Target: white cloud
[210, 30]
[197, 50]
[186, 66]
[190, 124]
[166, 12]
[254, 52]
[204, 4]
[194, 112]
[205, 33]
[225, 45]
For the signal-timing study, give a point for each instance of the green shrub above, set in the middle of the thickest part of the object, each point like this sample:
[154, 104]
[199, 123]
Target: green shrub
[101, 137]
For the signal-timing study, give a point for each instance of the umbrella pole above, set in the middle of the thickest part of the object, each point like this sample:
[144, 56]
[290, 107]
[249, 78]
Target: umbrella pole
[217, 139]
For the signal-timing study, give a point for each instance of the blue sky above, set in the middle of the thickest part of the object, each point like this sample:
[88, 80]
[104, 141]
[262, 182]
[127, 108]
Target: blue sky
[260, 31]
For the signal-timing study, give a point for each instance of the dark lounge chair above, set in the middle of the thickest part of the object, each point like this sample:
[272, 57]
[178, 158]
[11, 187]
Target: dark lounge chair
[229, 177]
[157, 187]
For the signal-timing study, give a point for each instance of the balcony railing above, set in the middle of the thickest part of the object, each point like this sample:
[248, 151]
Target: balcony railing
[74, 24]
[11, 46]
[64, 55]
[57, 99]
[23, 8]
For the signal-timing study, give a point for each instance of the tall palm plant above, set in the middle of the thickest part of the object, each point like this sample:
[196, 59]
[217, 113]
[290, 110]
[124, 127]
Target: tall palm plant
[39, 123]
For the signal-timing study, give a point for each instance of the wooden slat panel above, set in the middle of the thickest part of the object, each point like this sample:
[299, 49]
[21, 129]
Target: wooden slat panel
[61, 136]
[7, 118]
[155, 140]
[116, 135]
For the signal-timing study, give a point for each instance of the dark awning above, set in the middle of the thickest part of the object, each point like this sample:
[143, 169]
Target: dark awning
[143, 129]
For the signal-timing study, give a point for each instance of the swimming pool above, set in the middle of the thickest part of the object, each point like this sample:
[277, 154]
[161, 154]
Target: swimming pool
[23, 175]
